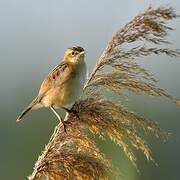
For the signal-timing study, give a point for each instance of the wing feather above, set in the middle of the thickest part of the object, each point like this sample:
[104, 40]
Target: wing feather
[56, 77]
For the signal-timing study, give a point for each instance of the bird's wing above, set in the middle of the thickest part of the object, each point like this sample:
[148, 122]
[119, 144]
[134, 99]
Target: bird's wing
[59, 75]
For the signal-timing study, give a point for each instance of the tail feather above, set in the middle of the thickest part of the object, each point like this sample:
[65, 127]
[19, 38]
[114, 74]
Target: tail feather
[35, 104]
[24, 113]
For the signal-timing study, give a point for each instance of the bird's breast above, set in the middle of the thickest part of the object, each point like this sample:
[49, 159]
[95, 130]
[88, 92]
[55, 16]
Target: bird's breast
[66, 94]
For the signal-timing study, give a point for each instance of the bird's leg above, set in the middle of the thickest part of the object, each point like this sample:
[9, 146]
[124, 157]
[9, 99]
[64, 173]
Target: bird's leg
[71, 111]
[59, 117]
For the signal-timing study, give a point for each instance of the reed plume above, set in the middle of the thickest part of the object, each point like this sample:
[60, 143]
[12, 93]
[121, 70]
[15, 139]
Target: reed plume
[74, 155]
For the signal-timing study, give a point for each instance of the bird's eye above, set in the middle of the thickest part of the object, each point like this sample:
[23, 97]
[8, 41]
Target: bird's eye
[73, 53]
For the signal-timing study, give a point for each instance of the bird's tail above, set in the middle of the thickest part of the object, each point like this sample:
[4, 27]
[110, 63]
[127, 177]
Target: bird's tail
[35, 104]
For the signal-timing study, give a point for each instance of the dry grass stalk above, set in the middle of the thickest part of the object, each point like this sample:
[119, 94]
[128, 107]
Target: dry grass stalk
[70, 155]
[73, 155]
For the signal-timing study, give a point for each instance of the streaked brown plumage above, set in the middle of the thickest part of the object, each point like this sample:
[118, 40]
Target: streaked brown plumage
[63, 85]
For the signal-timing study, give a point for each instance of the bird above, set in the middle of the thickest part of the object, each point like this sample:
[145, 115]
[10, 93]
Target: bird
[63, 85]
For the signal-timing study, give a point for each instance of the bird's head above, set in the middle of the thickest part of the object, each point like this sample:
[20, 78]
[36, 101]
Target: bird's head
[74, 54]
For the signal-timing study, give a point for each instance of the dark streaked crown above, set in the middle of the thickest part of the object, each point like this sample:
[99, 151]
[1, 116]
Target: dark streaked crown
[77, 48]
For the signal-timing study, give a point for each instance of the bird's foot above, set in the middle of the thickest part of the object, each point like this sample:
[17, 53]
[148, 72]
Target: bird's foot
[63, 125]
[69, 111]
[62, 122]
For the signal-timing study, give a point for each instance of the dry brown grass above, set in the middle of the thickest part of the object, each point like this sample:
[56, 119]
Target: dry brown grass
[73, 155]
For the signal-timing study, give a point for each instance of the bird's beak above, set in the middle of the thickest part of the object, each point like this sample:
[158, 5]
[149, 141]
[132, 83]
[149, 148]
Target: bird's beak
[83, 52]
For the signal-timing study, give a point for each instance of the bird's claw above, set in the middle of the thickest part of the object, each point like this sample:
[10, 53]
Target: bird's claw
[63, 125]
[72, 111]
[75, 113]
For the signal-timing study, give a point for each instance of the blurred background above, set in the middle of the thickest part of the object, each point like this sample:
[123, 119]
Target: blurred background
[33, 37]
